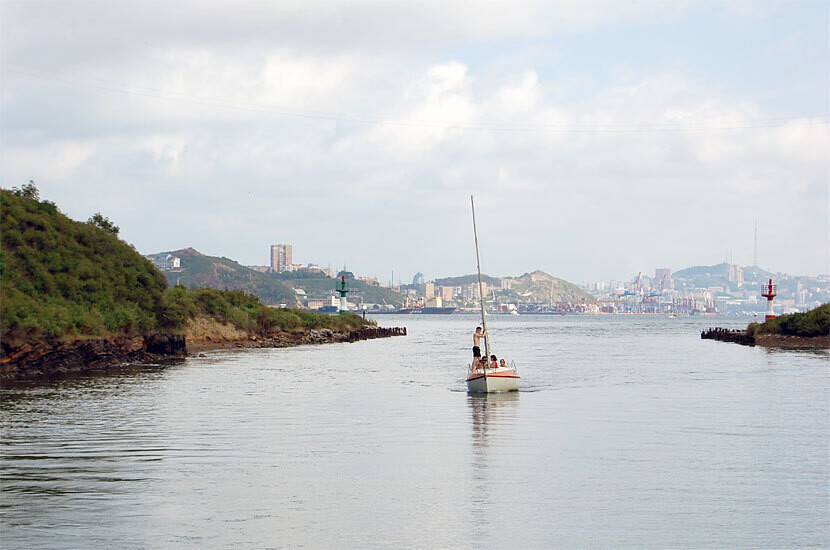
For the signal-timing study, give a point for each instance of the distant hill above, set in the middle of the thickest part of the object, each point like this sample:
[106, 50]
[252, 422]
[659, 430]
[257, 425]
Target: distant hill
[538, 286]
[718, 274]
[202, 271]
[321, 287]
[467, 279]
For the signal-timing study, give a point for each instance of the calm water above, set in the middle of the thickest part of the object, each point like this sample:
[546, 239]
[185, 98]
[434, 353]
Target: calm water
[628, 432]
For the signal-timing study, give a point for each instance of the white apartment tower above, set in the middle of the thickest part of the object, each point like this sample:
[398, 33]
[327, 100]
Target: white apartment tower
[281, 257]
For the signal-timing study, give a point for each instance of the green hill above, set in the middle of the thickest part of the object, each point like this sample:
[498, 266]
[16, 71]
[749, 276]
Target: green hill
[201, 271]
[63, 278]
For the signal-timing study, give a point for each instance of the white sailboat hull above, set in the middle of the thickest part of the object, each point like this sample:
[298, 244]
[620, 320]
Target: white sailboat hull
[499, 381]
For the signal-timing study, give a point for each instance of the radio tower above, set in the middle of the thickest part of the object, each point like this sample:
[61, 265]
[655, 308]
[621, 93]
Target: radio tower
[755, 251]
[769, 291]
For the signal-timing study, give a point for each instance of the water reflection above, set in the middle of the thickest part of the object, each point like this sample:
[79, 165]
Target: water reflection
[494, 420]
[488, 411]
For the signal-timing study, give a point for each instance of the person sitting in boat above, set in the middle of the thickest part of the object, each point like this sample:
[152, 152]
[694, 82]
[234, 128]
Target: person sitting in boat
[494, 363]
[481, 364]
[502, 363]
[479, 334]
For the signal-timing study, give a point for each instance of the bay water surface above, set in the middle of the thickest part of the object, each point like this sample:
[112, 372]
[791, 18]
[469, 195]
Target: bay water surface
[628, 432]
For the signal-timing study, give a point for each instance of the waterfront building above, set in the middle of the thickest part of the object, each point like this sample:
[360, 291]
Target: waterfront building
[281, 257]
[429, 290]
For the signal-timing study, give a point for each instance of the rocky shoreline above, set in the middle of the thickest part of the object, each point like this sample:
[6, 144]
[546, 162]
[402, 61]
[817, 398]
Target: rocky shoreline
[39, 360]
[47, 360]
[744, 338]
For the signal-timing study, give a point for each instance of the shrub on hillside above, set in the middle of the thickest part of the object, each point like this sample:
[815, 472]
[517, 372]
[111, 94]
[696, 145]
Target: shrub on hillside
[815, 322]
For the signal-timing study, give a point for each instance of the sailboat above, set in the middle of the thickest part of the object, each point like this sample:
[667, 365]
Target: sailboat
[487, 379]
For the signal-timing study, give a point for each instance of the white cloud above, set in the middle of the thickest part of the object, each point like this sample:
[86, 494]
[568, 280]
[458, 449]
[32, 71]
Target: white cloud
[272, 122]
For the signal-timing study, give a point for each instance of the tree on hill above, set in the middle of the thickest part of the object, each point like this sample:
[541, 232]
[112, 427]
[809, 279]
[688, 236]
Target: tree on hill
[27, 191]
[103, 223]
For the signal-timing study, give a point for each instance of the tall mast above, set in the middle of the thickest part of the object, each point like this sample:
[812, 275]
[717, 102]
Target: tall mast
[480, 288]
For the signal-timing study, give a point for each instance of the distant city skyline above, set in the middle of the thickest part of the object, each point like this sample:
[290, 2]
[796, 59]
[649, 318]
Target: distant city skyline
[281, 260]
[600, 139]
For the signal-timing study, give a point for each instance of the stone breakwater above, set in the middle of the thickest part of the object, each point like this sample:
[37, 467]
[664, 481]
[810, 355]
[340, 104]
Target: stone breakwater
[57, 359]
[728, 335]
[767, 340]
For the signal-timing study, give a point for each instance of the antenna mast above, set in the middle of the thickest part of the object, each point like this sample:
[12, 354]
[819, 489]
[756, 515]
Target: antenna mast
[755, 251]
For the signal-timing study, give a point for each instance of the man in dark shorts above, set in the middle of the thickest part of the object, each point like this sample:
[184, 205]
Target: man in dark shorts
[479, 334]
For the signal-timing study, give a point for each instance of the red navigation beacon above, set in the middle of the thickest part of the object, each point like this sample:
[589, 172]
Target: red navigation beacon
[769, 292]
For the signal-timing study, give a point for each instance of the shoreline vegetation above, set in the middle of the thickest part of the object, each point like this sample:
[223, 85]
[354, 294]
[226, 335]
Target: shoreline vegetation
[75, 298]
[810, 329]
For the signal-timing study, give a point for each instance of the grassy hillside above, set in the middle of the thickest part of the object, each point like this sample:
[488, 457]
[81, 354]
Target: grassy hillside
[201, 271]
[815, 322]
[63, 278]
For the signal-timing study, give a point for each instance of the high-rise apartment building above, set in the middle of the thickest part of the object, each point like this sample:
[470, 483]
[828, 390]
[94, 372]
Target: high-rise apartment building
[446, 292]
[281, 259]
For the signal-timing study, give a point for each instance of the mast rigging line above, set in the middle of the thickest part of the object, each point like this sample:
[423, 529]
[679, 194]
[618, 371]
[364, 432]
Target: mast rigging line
[621, 128]
[480, 293]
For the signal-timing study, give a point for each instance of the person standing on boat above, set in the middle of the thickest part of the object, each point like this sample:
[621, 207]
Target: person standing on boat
[479, 334]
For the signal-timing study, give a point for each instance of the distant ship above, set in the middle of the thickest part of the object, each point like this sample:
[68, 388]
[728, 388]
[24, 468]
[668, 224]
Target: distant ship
[420, 311]
[433, 310]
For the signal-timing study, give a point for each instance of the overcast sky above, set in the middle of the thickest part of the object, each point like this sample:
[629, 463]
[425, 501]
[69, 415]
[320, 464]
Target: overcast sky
[600, 138]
